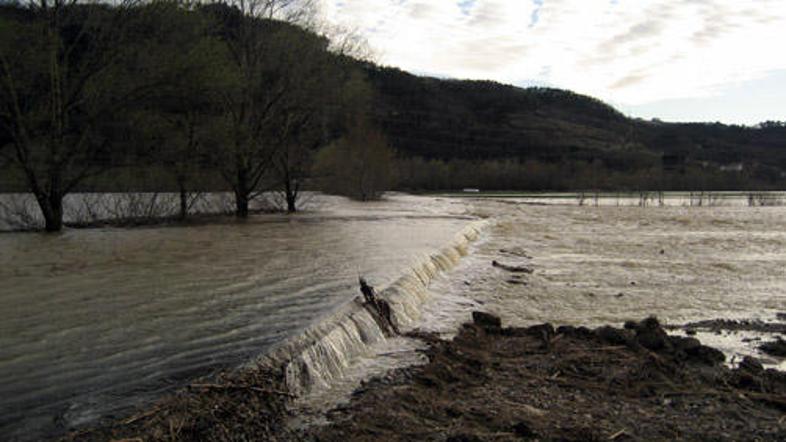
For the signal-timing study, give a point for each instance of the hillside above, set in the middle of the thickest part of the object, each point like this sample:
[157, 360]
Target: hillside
[483, 120]
[165, 118]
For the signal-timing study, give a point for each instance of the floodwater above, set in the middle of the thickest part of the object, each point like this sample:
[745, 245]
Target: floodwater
[95, 321]
[605, 264]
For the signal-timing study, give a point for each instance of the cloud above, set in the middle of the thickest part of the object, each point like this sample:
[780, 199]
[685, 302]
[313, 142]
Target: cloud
[628, 52]
[628, 80]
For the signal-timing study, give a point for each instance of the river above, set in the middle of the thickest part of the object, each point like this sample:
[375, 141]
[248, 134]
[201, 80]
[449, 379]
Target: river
[94, 322]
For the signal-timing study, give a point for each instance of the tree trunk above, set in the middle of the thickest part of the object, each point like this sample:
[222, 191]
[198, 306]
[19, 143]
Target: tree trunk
[241, 204]
[291, 206]
[291, 196]
[242, 194]
[52, 210]
[183, 199]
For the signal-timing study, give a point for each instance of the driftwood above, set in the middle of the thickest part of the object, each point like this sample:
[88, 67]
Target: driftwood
[379, 309]
[510, 268]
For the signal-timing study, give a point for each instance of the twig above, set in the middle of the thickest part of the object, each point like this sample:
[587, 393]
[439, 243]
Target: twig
[241, 387]
[137, 417]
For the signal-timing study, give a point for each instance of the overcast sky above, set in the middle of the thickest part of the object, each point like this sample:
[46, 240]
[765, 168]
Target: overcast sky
[680, 60]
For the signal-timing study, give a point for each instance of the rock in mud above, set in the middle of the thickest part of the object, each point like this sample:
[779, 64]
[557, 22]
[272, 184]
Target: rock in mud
[706, 355]
[650, 334]
[578, 332]
[543, 331]
[614, 336]
[684, 344]
[751, 364]
[774, 348]
[486, 320]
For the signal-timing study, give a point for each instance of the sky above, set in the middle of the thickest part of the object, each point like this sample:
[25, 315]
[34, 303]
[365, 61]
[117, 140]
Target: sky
[676, 60]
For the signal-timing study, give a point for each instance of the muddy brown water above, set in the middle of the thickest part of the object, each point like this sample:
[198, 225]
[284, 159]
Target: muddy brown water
[96, 321]
[608, 264]
[93, 322]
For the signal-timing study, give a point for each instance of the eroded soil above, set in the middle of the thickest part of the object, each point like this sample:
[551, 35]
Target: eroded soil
[537, 383]
[492, 383]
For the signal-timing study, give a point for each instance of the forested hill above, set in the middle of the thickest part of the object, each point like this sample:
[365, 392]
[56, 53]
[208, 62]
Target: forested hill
[481, 120]
[484, 119]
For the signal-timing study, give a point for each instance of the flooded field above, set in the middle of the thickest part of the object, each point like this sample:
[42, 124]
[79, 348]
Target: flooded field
[607, 264]
[95, 321]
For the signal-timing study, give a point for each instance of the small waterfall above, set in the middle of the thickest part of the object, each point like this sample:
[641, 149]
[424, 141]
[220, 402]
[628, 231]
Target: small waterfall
[322, 353]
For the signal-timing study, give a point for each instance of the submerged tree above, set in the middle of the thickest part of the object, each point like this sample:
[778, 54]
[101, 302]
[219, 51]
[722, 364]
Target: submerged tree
[332, 86]
[281, 76]
[181, 124]
[69, 75]
[57, 63]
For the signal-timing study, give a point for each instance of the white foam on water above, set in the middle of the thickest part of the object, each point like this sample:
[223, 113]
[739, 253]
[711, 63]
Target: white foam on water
[324, 363]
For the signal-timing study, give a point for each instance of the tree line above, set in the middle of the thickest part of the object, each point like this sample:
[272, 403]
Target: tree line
[513, 174]
[246, 91]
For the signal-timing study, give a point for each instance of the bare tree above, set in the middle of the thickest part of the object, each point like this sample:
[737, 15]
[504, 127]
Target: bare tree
[68, 71]
[333, 87]
[291, 166]
[181, 127]
[277, 68]
[50, 94]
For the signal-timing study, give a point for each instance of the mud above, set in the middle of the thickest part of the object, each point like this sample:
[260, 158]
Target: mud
[495, 383]
[752, 325]
[246, 405]
[568, 383]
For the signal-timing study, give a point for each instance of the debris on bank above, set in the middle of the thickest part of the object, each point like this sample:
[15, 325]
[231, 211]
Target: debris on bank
[492, 383]
[247, 405]
[569, 384]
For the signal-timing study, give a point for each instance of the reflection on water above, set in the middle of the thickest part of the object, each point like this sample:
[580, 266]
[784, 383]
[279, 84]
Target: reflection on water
[95, 321]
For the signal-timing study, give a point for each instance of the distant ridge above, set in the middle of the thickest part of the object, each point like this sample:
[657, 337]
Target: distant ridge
[478, 120]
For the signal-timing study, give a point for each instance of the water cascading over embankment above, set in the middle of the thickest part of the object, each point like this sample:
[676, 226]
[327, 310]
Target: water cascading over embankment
[323, 352]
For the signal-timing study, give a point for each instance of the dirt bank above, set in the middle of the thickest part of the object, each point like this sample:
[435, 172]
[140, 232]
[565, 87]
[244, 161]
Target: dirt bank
[498, 384]
[245, 405]
[537, 383]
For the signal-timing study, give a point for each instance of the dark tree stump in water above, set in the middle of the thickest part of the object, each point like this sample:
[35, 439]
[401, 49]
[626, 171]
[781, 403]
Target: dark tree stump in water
[379, 309]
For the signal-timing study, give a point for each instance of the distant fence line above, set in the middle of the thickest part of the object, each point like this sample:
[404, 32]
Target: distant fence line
[689, 199]
[19, 211]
